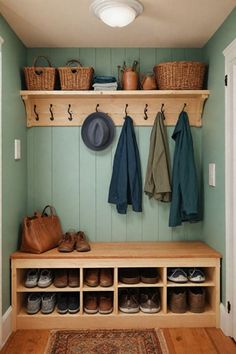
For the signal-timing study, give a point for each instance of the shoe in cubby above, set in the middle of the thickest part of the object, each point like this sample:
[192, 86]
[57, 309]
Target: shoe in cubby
[149, 300]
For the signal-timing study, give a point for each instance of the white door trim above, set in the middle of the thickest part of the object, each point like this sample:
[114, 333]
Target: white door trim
[230, 187]
[1, 314]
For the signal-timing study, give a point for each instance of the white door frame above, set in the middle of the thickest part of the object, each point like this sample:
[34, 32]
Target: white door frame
[230, 187]
[1, 314]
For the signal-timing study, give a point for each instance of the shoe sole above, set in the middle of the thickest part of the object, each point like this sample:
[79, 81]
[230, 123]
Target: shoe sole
[125, 310]
[105, 285]
[44, 285]
[130, 280]
[178, 281]
[47, 312]
[62, 312]
[143, 309]
[105, 312]
[92, 285]
[197, 281]
[31, 286]
[74, 311]
[90, 311]
[149, 280]
[32, 313]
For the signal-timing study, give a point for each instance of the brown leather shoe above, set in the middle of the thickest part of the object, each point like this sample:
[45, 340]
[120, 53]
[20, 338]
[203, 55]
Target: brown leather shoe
[92, 277]
[82, 244]
[105, 304]
[67, 242]
[61, 278]
[90, 303]
[73, 278]
[106, 278]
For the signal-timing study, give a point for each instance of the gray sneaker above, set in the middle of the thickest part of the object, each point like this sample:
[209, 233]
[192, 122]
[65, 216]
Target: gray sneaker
[129, 301]
[150, 301]
[45, 278]
[48, 302]
[31, 279]
[33, 303]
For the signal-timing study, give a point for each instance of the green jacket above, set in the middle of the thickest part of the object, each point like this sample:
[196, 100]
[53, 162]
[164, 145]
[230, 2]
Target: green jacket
[157, 183]
[185, 200]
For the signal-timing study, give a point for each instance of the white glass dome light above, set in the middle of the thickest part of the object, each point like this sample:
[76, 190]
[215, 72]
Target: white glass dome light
[116, 13]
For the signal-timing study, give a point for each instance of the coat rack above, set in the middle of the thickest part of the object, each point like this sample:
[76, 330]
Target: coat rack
[70, 108]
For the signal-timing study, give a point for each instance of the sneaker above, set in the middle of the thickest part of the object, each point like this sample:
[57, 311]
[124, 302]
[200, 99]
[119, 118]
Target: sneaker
[105, 303]
[178, 300]
[48, 303]
[32, 277]
[61, 278]
[129, 301]
[177, 275]
[73, 302]
[90, 303]
[45, 278]
[150, 301]
[196, 299]
[33, 303]
[73, 277]
[149, 275]
[62, 303]
[195, 275]
[129, 275]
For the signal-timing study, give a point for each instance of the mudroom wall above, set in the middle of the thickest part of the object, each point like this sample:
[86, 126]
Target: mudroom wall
[14, 176]
[213, 144]
[62, 171]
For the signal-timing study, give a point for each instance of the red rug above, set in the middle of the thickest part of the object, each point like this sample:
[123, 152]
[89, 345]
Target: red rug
[130, 341]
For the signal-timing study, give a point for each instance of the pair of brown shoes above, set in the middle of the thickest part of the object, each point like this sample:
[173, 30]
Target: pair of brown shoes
[101, 302]
[102, 277]
[182, 299]
[73, 240]
[64, 277]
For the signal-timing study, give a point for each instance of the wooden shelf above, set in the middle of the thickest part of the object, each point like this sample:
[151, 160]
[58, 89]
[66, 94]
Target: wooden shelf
[82, 103]
[159, 255]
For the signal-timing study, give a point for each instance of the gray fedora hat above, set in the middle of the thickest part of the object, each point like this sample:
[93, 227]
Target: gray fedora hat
[98, 131]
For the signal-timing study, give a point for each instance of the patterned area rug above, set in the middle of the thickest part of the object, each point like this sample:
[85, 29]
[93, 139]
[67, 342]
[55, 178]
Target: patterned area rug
[145, 341]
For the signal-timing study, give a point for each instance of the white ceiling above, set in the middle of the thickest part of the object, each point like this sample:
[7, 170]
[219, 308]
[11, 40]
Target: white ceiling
[164, 23]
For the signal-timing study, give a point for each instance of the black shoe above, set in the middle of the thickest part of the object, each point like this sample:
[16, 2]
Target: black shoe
[149, 275]
[62, 303]
[73, 302]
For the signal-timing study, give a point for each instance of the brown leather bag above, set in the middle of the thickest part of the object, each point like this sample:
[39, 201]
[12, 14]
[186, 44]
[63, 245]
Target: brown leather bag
[41, 232]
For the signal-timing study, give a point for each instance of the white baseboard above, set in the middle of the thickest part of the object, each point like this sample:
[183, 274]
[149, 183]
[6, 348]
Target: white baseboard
[225, 321]
[6, 326]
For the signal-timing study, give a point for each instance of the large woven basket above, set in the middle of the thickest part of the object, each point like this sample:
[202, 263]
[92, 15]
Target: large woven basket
[75, 77]
[182, 75]
[40, 77]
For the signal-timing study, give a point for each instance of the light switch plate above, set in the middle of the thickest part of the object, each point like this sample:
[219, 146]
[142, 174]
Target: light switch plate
[212, 174]
[17, 152]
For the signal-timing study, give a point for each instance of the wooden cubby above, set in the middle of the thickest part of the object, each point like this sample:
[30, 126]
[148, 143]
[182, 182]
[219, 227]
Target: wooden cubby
[161, 255]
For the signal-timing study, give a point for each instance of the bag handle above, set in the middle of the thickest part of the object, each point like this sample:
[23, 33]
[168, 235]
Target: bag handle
[73, 61]
[41, 56]
[52, 210]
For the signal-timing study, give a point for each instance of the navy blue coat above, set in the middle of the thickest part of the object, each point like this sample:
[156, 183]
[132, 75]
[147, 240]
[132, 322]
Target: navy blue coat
[185, 195]
[126, 181]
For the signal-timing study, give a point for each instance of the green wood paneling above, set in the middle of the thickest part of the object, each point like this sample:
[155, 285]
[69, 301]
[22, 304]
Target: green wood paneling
[62, 170]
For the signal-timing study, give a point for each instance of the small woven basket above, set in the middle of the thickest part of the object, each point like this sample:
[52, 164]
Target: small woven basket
[40, 77]
[75, 77]
[182, 75]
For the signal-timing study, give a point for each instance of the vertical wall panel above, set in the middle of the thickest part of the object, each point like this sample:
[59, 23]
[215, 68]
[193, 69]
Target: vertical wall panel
[63, 171]
[65, 175]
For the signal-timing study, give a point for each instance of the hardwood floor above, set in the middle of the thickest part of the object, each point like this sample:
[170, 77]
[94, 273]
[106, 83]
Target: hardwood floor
[179, 341]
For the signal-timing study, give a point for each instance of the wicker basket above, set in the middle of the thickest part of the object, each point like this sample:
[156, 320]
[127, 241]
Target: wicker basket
[39, 77]
[182, 75]
[75, 77]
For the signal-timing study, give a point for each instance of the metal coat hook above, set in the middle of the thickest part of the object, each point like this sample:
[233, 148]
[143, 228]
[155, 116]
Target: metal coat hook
[184, 107]
[126, 106]
[162, 108]
[36, 114]
[145, 111]
[97, 107]
[50, 110]
[70, 112]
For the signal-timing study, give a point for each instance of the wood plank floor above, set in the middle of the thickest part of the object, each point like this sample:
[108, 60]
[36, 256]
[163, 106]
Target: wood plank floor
[179, 341]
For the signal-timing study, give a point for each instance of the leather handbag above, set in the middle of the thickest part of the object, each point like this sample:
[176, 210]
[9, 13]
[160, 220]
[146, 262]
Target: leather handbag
[41, 232]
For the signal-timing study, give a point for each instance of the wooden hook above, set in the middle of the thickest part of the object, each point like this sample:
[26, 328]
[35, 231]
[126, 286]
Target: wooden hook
[50, 110]
[145, 111]
[36, 114]
[70, 113]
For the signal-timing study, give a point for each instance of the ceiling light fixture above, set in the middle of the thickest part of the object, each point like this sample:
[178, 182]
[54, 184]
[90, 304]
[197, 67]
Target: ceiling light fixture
[116, 13]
